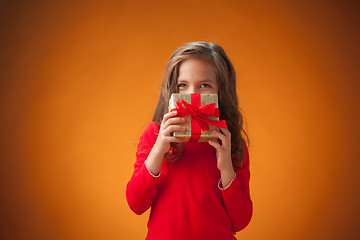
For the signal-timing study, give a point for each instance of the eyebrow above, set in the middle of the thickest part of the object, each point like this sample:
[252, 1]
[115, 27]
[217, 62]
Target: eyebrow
[202, 81]
[208, 80]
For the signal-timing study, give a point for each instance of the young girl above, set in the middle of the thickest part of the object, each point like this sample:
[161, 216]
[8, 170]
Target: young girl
[195, 190]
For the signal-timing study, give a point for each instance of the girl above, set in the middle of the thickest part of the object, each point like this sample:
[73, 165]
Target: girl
[195, 190]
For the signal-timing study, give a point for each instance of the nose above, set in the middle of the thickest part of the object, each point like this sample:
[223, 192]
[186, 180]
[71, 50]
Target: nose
[192, 89]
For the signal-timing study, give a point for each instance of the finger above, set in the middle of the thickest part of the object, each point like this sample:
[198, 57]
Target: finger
[173, 139]
[214, 144]
[169, 115]
[226, 132]
[222, 137]
[174, 120]
[174, 128]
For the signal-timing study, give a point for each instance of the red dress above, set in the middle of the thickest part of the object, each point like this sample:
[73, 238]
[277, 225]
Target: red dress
[186, 199]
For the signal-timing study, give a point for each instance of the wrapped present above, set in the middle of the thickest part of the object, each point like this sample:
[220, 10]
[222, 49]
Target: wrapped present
[201, 112]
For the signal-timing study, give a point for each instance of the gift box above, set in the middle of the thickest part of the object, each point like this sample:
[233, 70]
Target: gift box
[201, 113]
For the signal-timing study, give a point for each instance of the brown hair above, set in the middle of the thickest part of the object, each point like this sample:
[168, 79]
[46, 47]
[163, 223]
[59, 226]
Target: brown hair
[226, 81]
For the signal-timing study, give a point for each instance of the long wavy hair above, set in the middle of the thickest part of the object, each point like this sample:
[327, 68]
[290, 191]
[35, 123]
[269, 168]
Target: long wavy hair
[228, 102]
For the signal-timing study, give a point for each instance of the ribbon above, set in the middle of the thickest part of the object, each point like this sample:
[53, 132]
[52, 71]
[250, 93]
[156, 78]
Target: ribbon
[199, 115]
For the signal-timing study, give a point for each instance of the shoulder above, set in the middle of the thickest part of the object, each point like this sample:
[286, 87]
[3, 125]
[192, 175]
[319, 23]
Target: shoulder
[246, 153]
[244, 164]
[150, 133]
[152, 129]
[147, 141]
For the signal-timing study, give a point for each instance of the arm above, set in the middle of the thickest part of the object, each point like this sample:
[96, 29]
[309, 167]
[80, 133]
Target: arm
[153, 144]
[141, 189]
[234, 186]
[236, 197]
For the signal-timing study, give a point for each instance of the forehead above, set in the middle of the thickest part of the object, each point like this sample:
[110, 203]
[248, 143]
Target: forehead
[196, 68]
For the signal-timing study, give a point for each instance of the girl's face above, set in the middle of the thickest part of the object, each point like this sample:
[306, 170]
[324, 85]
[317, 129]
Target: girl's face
[197, 76]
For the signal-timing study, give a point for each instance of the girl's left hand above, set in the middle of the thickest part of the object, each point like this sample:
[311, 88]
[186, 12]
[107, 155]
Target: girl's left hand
[223, 155]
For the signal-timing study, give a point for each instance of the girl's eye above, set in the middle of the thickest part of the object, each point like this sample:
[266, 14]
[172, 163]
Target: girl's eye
[205, 85]
[181, 85]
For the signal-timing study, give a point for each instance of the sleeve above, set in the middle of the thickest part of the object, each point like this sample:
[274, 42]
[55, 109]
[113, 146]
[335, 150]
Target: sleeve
[236, 196]
[142, 186]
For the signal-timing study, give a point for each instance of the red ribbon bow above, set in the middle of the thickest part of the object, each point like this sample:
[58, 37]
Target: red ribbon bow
[199, 115]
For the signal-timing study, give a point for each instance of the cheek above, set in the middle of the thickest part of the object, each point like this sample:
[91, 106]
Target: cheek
[209, 91]
[184, 91]
[214, 90]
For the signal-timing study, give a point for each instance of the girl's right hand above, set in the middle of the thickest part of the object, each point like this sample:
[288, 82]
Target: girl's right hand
[168, 125]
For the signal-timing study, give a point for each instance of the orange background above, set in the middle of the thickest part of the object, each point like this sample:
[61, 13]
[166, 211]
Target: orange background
[79, 81]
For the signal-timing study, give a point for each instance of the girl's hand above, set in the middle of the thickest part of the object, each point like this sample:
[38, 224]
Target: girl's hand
[223, 155]
[168, 125]
[162, 144]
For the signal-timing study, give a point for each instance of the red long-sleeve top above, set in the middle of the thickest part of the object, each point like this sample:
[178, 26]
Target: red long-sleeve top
[187, 200]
